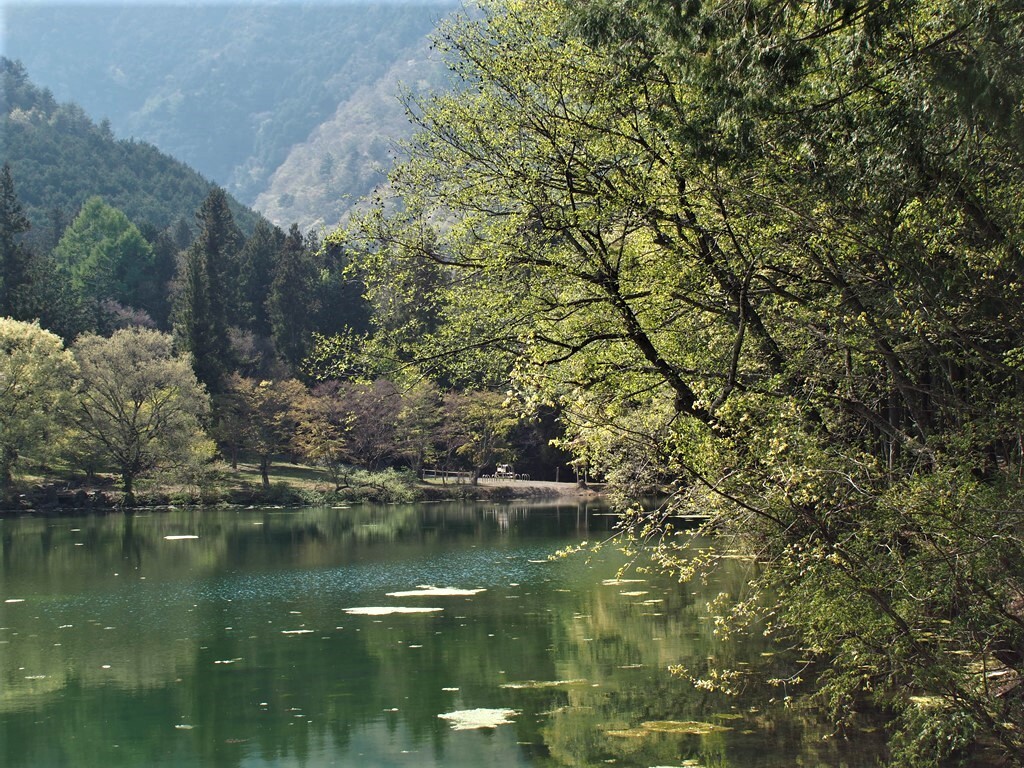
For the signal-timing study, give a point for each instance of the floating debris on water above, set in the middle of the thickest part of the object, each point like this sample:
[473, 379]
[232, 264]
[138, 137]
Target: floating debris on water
[620, 582]
[387, 610]
[470, 719]
[15, 600]
[688, 727]
[297, 631]
[525, 684]
[639, 593]
[180, 538]
[428, 590]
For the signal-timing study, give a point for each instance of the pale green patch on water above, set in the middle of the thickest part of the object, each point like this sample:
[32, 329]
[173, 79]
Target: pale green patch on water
[526, 684]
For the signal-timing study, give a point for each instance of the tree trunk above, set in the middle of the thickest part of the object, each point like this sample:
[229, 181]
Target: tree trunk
[127, 481]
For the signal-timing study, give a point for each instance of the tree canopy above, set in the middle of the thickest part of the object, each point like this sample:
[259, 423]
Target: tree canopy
[140, 407]
[37, 380]
[767, 257]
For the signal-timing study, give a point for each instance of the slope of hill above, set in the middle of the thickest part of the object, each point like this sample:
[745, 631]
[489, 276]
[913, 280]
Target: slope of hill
[59, 158]
[233, 89]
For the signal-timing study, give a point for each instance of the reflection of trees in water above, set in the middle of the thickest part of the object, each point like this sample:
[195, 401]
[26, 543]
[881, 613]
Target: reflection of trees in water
[177, 631]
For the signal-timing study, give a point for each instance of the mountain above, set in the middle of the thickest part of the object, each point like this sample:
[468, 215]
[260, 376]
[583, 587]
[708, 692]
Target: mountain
[290, 106]
[59, 158]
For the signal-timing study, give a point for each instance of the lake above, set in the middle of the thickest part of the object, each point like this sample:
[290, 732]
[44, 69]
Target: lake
[308, 637]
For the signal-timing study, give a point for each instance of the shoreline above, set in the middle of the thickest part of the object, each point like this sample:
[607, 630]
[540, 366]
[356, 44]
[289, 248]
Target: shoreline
[105, 498]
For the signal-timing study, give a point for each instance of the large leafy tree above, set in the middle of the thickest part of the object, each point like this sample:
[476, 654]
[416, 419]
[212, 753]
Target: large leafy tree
[140, 407]
[769, 256]
[266, 414]
[37, 379]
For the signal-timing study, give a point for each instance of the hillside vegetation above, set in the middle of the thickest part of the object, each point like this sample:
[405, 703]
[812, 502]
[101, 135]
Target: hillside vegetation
[233, 89]
[61, 157]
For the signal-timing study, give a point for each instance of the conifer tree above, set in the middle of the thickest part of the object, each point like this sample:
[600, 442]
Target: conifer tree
[14, 257]
[292, 303]
[256, 272]
[201, 312]
[221, 241]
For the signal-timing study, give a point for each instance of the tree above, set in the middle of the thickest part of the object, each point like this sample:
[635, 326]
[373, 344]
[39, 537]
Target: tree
[256, 272]
[141, 405]
[292, 303]
[205, 292]
[221, 242]
[105, 255]
[37, 379]
[14, 256]
[478, 425]
[268, 414]
[419, 424]
[322, 433]
[373, 410]
[768, 258]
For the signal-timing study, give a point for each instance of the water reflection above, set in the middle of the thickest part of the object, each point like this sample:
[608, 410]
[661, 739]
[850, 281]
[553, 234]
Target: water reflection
[124, 643]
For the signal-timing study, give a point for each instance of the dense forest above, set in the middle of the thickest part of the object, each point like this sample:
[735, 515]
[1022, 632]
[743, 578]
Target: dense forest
[766, 259]
[219, 306]
[61, 157]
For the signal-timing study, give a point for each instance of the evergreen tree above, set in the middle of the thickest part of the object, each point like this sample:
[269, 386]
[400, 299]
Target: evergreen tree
[107, 258]
[221, 241]
[292, 304]
[195, 326]
[202, 305]
[256, 272]
[14, 257]
[341, 289]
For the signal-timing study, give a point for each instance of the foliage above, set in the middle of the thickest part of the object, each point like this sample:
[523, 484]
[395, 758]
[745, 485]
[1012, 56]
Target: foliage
[256, 271]
[264, 416]
[106, 258]
[769, 257]
[13, 255]
[140, 407]
[292, 304]
[477, 427]
[205, 299]
[37, 380]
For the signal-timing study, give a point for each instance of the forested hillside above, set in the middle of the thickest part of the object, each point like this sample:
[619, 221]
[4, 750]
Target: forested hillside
[60, 158]
[231, 89]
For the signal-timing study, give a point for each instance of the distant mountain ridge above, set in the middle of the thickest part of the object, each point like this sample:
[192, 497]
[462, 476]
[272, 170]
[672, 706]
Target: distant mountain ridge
[289, 106]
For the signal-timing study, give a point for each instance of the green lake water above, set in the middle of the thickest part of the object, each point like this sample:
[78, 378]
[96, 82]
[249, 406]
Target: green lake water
[227, 638]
